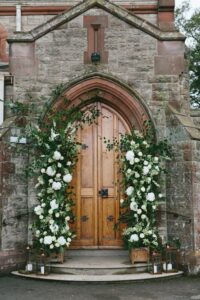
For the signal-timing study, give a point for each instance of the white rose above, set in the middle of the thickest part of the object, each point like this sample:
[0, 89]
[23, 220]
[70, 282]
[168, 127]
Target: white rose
[51, 180]
[50, 211]
[131, 162]
[51, 221]
[56, 186]
[156, 159]
[48, 240]
[57, 215]
[134, 238]
[57, 155]
[150, 197]
[51, 246]
[61, 240]
[42, 170]
[146, 163]
[58, 175]
[129, 190]
[144, 207]
[140, 153]
[143, 217]
[54, 204]
[141, 235]
[139, 211]
[59, 165]
[69, 240]
[137, 160]
[137, 175]
[57, 245]
[41, 240]
[128, 171]
[67, 218]
[143, 189]
[160, 195]
[130, 155]
[50, 171]
[38, 210]
[67, 178]
[69, 163]
[132, 142]
[43, 204]
[37, 233]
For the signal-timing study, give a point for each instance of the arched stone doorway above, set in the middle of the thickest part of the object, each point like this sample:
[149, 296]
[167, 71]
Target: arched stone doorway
[96, 179]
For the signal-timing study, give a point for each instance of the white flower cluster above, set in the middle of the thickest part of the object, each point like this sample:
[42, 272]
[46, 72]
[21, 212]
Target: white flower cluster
[141, 169]
[54, 211]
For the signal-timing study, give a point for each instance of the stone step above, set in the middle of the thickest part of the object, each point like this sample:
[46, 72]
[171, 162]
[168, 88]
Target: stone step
[97, 262]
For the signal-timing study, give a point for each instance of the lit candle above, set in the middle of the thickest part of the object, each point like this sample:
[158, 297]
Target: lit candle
[42, 269]
[29, 267]
[164, 266]
[155, 269]
[169, 267]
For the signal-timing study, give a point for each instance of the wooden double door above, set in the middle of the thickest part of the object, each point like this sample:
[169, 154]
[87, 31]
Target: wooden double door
[96, 182]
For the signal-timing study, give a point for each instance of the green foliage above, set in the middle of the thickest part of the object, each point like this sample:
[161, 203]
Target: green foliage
[191, 28]
[141, 163]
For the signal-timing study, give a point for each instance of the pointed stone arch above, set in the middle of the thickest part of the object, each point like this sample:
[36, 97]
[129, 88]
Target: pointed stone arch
[106, 89]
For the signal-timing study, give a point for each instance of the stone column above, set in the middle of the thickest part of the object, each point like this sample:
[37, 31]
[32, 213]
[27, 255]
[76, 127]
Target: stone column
[1, 98]
[18, 18]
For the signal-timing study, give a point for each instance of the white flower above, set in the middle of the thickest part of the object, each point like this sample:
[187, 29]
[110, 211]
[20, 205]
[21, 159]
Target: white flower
[43, 204]
[140, 153]
[47, 240]
[50, 180]
[137, 160]
[41, 240]
[160, 195]
[143, 217]
[130, 155]
[137, 175]
[54, 228]
[144, 207]
[37, 233]
[133, 206]
[51, 221]
[56, 186]
[69, 163]
[132, 142]
[50, 211]
[143, 189]
[145, 170]
[67, 178]
[57, 155]
[38, 210]
[128, 171]
[141, 235]
[149, 232]
[53, 135]
[57, 215]
[121, 201]
[58, 175]
[61, 240]
[51, 246]
[131, 162]
[54, 204]
[156, 159]
[129, 190]
[42, 170]
[154, 207]
[57, 245]
[146, 163]
[139, 211]
[62, 158]
[150, 197]
[134, 238]
[67, 218]
[50, 171]
[59, 165]
[69, 239]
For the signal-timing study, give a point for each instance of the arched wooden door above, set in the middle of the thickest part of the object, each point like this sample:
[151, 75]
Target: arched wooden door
[97, 200]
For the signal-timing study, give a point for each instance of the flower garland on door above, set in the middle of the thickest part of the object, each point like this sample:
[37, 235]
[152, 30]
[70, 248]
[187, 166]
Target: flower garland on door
[142, 164]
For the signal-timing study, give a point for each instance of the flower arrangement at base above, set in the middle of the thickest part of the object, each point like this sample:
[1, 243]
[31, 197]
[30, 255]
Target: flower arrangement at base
[141, 166]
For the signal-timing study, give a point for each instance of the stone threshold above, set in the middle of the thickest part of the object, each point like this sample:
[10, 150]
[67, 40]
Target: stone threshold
[100, 278]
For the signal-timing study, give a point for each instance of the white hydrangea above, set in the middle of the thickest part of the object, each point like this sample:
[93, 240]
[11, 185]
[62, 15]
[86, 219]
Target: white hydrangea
[133, 206]
[50, 171]
[38, 210]
[129, 190]
[134, 238]
[61, 240]
[57, 155]
[150, 197]
[67, 178]
[56, 186]
[48, 240]
[145, 170]
[54, 204]
[130, 155]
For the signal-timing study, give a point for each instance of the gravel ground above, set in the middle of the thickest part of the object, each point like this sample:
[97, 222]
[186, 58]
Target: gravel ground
[184, 288]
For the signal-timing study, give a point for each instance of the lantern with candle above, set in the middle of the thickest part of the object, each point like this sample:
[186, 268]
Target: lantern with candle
[156, 263]
[170, 262]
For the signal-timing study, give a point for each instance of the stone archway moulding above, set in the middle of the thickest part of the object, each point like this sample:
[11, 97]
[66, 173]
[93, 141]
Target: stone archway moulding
[108, 91]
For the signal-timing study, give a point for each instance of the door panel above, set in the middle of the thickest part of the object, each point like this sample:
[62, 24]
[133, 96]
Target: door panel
[97, 169]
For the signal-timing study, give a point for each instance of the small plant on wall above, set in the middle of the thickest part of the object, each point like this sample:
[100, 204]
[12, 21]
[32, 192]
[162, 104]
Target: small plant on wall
[142, 163]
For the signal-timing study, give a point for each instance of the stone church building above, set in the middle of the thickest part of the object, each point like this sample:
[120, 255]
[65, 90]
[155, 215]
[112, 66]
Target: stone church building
[129, 58]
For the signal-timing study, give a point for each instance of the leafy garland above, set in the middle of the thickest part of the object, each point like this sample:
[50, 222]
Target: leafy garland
[54, 150]
[141, 163]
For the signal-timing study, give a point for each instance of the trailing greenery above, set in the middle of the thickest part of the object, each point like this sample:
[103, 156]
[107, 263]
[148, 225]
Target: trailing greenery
[54, 149]
[191, 28]
[141, 163]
